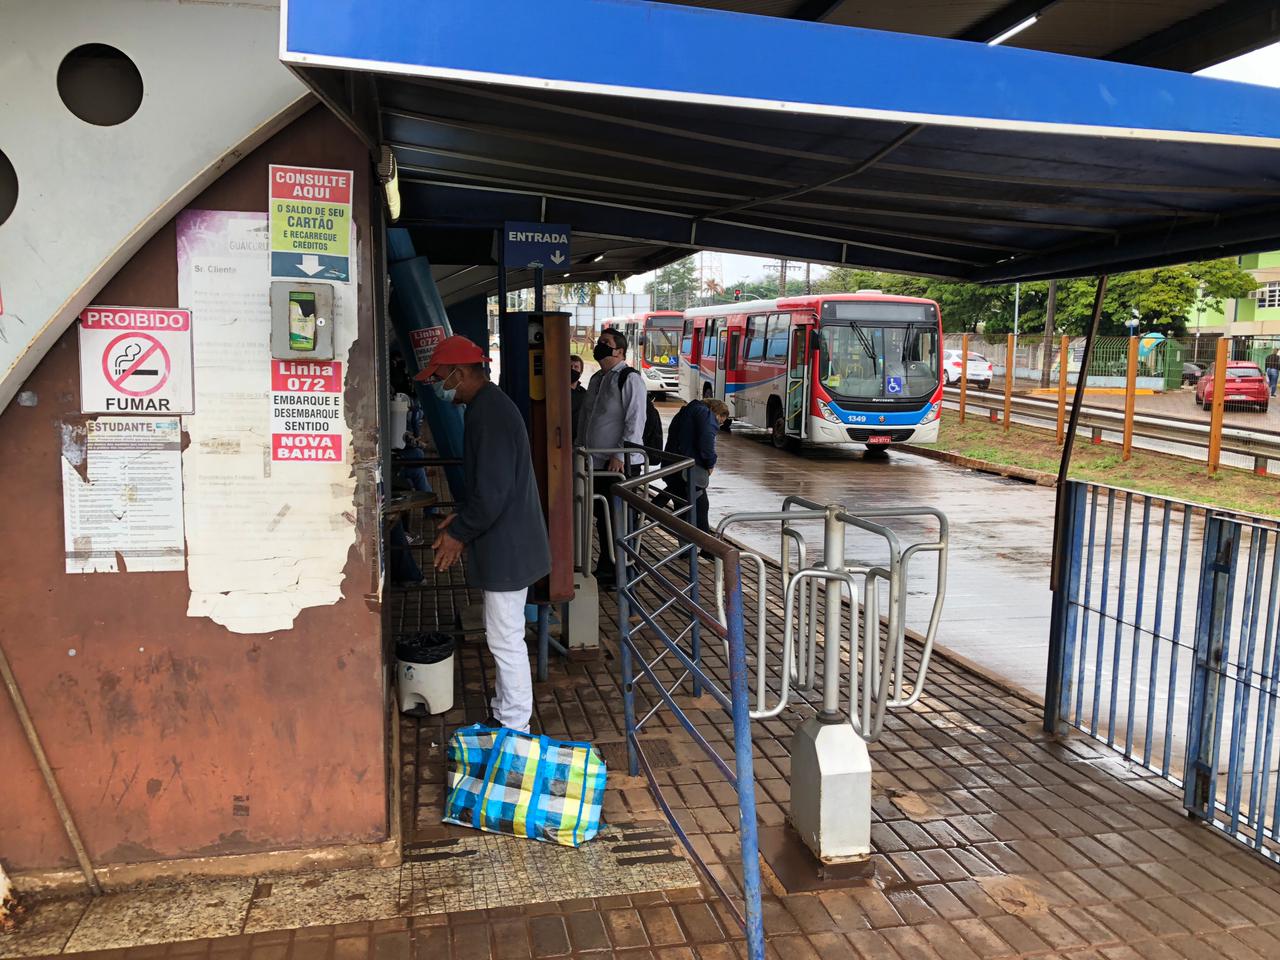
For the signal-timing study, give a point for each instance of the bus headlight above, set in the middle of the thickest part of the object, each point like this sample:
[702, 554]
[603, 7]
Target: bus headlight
[827, 413]
[935, 411]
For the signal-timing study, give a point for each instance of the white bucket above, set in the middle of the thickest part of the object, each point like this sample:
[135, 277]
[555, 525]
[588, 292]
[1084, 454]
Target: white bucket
[429, 684]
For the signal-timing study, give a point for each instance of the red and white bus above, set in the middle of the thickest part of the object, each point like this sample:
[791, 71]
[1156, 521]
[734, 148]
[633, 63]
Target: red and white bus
[851, 367]
[653, 347]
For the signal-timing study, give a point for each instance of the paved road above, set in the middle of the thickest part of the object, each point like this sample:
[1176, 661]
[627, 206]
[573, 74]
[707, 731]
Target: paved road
[997, 606]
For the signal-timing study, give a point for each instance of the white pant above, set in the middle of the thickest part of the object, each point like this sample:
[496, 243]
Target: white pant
[504, 632]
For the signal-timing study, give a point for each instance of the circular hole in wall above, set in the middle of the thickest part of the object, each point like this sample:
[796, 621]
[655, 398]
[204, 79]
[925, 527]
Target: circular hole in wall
[100, 84]
[8, 187]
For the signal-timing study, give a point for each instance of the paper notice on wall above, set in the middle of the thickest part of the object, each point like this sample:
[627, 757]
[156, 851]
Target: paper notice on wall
[122, 495]
[266, 536]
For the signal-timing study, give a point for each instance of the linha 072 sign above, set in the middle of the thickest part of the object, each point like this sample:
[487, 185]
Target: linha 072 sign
[310, 214]
[306, 411]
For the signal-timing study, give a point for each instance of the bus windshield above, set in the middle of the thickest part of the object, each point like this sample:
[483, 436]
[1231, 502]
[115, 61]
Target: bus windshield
[662, 345]
[890, 362]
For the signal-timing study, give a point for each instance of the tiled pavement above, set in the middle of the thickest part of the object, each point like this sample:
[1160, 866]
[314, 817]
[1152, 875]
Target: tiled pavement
[993, 841]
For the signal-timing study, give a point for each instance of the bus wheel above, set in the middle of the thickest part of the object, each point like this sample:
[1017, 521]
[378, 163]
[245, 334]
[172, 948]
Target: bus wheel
[778, 434]
[777, 425]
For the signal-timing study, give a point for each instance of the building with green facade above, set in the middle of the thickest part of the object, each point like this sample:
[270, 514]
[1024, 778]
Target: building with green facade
[1257, 315]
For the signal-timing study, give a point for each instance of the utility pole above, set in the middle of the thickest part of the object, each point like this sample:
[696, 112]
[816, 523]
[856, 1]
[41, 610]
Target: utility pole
[782, 278]
[808, 285]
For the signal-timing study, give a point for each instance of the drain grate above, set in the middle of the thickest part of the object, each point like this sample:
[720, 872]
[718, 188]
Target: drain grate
[657, 752]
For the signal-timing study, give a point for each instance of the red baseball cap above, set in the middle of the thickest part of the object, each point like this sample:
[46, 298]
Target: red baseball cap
[452, 351]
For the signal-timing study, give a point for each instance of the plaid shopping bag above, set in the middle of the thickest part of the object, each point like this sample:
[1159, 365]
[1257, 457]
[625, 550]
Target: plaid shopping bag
[508, 782]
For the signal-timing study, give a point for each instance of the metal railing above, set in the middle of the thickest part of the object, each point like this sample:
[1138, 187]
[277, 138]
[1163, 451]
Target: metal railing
[880, 663]
[657, 575]
[1165, 645]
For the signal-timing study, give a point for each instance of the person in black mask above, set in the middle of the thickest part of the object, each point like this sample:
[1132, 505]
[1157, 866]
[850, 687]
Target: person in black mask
[577, 393]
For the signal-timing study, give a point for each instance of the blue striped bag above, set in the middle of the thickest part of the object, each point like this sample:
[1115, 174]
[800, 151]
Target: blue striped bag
[503, 781]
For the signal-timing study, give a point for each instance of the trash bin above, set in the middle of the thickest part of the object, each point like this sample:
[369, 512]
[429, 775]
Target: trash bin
[424, 672]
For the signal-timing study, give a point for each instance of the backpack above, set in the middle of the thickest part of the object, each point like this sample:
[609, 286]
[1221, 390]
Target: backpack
[652, 436]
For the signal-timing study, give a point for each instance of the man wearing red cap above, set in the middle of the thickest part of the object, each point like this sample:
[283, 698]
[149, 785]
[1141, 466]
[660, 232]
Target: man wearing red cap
[499, 520]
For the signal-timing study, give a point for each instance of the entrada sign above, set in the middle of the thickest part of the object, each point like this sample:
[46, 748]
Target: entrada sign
[535, 245]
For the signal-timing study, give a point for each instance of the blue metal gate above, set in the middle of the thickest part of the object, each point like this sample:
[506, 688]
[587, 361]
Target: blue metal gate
[1165, 645]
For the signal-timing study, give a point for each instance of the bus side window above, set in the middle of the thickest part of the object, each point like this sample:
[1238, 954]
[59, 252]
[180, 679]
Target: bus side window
[686, 342]
[755, 339]
[709, 345]
[733, 351]
[776, 350]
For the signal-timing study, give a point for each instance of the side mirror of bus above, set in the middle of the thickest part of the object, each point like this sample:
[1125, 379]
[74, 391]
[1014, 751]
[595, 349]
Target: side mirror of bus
[642, 339]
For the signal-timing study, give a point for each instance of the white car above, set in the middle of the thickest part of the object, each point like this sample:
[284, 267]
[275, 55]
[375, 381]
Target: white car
[979, 369]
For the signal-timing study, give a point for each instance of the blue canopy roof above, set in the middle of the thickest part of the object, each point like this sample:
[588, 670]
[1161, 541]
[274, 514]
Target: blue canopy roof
[675, 127]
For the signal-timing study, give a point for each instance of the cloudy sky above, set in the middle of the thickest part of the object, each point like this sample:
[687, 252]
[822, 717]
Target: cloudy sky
[1261, 67]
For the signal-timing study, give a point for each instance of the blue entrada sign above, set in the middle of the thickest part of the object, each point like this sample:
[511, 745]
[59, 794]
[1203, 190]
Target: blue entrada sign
[544, 245]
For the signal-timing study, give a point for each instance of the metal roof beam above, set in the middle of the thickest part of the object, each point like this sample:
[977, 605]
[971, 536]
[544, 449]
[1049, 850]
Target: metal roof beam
[1225, 31]
[563, 146]
[853, 171]
[584, 174]
[533, 105]
[682, 233]
[1085, 184]
[815, 10]
[693, 213]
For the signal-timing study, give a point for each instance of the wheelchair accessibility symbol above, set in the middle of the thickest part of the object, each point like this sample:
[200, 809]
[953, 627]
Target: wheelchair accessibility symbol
[893, 385]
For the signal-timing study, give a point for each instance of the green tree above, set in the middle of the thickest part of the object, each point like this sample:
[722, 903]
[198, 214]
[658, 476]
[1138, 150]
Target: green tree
[1164, 298]
[675, 286]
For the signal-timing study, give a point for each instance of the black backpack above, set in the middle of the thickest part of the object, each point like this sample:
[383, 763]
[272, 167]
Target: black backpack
[652, 436]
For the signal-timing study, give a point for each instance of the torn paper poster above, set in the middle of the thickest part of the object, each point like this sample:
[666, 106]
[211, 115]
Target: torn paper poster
[266, 537]
[122, 495]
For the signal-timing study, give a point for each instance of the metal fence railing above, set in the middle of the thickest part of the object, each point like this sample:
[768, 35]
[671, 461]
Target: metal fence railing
[661, 621]
[1165, 645]
[1036, 363]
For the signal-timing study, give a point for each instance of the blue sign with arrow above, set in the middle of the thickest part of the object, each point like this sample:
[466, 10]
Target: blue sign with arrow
[533, 245]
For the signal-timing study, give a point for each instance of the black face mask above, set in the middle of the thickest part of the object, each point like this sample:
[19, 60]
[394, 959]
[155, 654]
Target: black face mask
[575, 375]
[601, 351]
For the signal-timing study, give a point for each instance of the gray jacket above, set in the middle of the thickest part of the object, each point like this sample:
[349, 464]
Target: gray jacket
[500, 518]
[611, 415]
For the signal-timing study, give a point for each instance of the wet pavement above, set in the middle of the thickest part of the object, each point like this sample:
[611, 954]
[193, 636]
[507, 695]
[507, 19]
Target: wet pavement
[992, 840]
[998, 600]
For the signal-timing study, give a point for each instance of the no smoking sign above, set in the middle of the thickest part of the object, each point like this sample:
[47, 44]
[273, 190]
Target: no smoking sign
[135, 360]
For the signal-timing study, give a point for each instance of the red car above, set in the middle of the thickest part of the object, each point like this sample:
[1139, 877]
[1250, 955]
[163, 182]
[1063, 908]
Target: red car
[1245, 384]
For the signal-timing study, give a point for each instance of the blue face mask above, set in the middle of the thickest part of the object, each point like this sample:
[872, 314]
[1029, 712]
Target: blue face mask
[445, 393]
